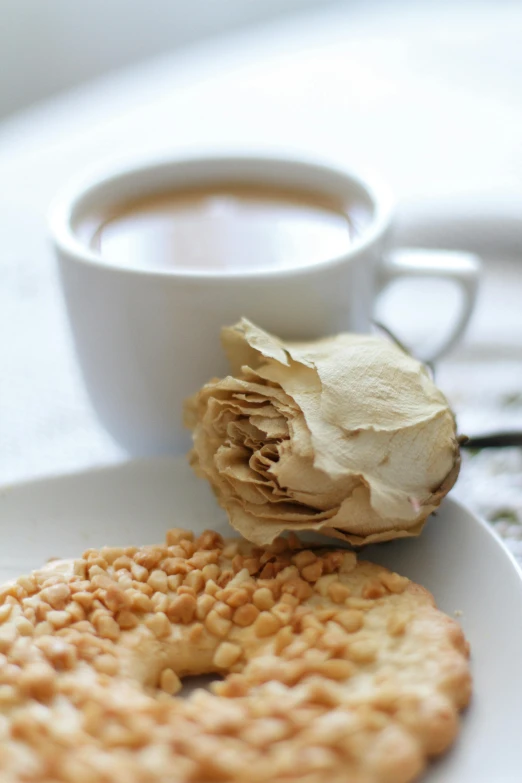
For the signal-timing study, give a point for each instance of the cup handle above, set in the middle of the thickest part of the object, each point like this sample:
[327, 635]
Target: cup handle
[462, 268]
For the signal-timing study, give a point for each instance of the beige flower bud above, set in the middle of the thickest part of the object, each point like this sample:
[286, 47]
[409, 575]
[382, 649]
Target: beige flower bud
[347, 435]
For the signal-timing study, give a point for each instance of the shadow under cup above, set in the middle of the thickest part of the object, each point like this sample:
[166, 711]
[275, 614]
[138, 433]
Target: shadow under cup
[146, 339]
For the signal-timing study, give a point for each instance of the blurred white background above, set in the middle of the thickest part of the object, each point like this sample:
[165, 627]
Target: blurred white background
[51, 45]
[427, 92]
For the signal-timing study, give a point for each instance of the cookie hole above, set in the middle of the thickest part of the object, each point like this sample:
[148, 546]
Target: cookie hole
[192, 683]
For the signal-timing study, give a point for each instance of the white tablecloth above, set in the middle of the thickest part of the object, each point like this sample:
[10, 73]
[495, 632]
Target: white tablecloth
[426, 95]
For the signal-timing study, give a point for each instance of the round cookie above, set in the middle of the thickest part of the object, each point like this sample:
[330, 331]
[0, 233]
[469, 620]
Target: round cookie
[333, 670]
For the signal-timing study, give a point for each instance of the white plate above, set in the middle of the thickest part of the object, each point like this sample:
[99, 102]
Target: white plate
[457, 557]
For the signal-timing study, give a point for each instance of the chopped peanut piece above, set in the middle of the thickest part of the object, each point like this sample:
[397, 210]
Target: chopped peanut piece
[57, 596]
[195, 580]
[226, 655]
[394, 582]
[266, 624]
[204, 604]
[159, 624]
[373, 589]
[324, 583]
[263, 598]
[362, 651]
[176, 535]
[350, 619]
[283, 639]
[217, 625]
[158, 581]
[335, 669]
[126, 620]
[304, 558]
[182, 609]
[106, 664]
[37, 681]
[107, 627]
[245, 615]
[170, 682]
[313, 571]
[58, 619]
[23, 626]
[338, 592]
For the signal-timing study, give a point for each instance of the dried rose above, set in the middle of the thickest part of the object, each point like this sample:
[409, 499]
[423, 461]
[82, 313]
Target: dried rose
[347, 435]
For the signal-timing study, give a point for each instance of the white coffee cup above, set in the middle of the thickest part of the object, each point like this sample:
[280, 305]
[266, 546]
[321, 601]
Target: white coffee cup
[147, 339]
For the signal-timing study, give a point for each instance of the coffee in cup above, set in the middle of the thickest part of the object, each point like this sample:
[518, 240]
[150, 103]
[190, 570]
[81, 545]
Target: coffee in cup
[226, 227]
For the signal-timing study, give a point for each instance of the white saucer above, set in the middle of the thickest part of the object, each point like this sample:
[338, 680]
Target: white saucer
[457, 557]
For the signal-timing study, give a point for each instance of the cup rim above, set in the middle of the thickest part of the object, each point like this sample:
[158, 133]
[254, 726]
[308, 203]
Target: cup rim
[65, 205]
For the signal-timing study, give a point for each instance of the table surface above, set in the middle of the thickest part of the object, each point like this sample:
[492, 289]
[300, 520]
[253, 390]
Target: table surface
[423, 95]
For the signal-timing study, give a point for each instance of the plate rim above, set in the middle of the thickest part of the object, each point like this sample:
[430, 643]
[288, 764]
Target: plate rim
[151, 461]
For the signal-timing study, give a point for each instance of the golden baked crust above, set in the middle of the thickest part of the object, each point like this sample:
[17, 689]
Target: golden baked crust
[333, 671]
